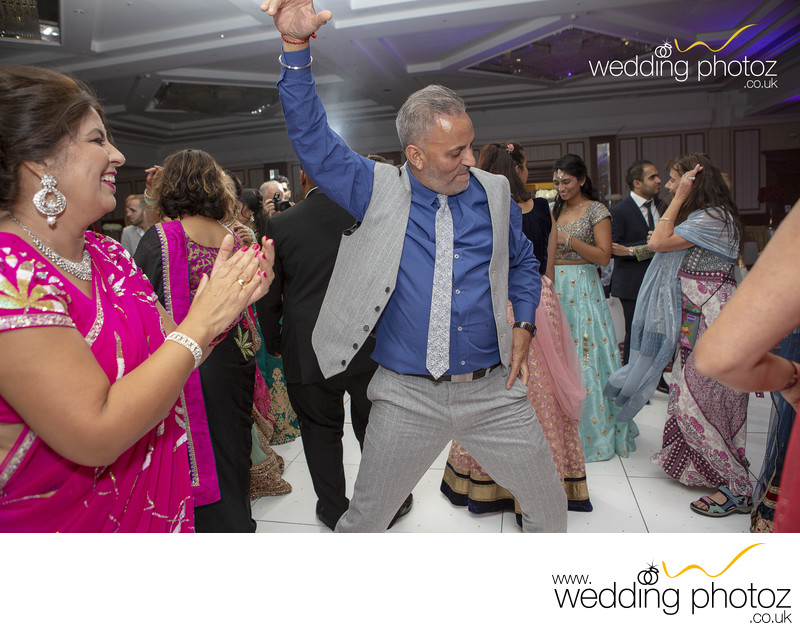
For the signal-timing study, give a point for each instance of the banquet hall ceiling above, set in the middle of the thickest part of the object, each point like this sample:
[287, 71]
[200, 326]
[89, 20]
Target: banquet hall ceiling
[177, 69]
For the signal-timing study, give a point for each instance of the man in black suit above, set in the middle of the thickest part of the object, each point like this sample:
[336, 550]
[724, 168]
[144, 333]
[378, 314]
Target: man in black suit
[307, 240]
[632, 219]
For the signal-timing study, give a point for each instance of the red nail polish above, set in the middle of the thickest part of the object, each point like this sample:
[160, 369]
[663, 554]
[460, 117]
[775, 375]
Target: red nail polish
[255, 246]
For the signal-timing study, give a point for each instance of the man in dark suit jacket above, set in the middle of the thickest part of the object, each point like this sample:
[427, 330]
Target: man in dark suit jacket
[631, 221]
[307, 238]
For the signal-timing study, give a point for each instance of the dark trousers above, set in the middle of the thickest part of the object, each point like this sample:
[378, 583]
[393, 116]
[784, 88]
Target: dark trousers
[228, 381]
[628, 308]
[320, 412]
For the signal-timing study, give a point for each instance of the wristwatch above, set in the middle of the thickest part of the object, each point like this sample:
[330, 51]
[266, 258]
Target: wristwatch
[528, 326]
[630, 251]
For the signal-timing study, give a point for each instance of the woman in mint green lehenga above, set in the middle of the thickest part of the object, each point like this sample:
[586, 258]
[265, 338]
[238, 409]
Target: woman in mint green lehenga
[584, 242]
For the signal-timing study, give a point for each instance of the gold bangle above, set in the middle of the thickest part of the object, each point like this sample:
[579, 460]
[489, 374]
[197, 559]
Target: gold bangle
[568, 241]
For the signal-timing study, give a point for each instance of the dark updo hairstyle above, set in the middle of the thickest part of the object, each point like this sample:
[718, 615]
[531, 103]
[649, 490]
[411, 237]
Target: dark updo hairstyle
[192, 183]
[39, 110]
[251, 198]
[710, 192]
[576, 167]
[502, 159]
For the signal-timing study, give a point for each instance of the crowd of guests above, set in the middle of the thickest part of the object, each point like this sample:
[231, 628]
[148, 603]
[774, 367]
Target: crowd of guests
[145, 382]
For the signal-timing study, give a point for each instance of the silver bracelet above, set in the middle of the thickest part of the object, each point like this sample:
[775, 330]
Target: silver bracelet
[189, 344]
[288, 67]
[667, 219]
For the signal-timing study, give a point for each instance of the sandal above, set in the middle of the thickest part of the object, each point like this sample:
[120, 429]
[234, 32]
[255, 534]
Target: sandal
[741, 504]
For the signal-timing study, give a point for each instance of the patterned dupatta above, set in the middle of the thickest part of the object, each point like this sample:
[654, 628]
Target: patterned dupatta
[657, 319]
[147, 489]
[177, 300]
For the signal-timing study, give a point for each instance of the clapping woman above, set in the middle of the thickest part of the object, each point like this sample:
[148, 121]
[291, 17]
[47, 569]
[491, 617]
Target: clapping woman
[92, 433]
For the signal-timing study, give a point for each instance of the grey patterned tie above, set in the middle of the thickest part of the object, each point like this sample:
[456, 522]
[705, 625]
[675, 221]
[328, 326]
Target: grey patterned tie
[437, 359]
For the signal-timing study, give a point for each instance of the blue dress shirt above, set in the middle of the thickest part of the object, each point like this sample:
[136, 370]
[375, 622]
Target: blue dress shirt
[402, 331]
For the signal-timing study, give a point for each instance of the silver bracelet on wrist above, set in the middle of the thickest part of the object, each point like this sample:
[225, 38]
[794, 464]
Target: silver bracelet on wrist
[189, 344]
[288, 67]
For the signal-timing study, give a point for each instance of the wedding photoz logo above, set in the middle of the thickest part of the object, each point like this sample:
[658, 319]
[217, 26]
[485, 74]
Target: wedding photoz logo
[757, 73]
[661, 590]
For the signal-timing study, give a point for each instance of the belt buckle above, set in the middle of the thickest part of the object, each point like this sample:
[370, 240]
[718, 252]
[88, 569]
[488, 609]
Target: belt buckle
[462, 378]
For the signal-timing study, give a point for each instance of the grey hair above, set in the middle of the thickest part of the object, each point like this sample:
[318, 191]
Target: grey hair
[422, 108]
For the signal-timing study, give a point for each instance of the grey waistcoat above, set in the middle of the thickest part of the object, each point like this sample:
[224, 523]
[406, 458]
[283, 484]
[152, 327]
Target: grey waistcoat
[366, 268]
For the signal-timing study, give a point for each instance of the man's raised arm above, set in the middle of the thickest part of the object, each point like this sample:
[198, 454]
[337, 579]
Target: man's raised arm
[341, 174]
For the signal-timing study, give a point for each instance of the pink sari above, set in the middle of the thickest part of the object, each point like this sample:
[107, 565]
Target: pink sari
[147, 489]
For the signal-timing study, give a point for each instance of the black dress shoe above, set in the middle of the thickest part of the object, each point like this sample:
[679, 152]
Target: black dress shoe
[326, 519]
[662, 386]
[404, 508]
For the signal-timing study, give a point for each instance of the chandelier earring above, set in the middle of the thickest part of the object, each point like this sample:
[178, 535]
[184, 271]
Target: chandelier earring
[54, 206]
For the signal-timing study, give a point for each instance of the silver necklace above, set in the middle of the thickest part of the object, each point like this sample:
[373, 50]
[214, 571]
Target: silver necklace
[82, 270]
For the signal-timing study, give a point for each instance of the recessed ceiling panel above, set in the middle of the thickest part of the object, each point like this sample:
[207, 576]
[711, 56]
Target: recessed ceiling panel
[422, 47]
[562, 55]
[214, 99]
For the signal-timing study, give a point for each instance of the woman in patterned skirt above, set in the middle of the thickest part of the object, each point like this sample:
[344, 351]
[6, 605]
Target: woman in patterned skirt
[738, 350]
[686, 286]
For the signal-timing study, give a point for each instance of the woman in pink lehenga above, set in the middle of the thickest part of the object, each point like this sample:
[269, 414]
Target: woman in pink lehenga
[93, 436]
[555, 386]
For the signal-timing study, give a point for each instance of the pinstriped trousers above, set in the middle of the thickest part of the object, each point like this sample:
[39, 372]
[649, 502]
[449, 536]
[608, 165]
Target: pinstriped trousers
[413, 419]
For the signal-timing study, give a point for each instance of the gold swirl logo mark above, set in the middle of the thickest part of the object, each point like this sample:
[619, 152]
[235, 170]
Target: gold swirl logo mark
[713, 50]
[697, 567]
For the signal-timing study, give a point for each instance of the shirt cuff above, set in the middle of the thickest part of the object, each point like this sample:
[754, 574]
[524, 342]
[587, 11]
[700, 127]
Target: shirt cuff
[297, 57]
[524, 311]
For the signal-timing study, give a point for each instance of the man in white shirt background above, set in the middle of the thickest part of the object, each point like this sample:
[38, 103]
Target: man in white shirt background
[138, 222]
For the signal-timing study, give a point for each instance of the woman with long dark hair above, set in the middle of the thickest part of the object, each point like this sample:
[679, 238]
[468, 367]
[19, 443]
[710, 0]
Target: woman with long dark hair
[555, 385]
[584, 242]
[697, 241]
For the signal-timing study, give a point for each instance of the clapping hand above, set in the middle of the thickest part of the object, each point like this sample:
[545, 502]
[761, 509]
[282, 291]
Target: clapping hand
[237, 280]
[295, 18]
